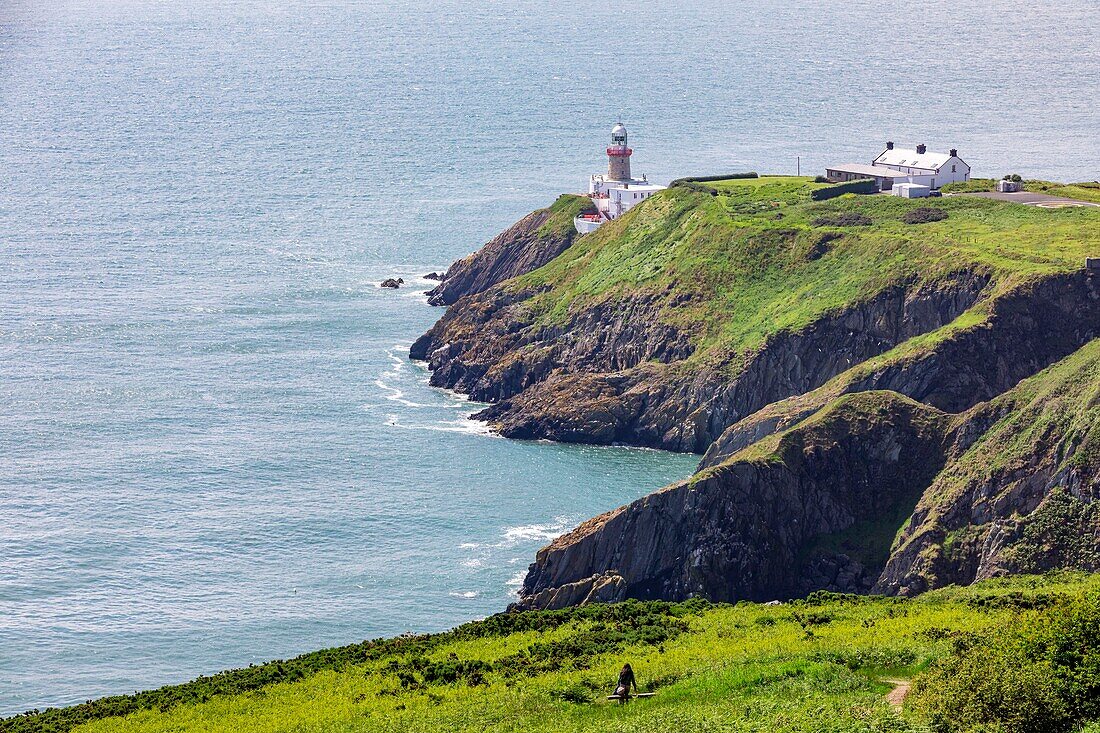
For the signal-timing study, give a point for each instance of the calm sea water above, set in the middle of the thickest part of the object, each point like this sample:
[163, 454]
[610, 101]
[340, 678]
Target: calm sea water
[213, 450]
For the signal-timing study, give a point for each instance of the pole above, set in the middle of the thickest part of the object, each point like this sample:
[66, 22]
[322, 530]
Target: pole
[798, 165]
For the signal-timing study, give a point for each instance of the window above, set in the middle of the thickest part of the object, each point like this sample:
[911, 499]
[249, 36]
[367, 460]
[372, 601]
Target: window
[952, 169]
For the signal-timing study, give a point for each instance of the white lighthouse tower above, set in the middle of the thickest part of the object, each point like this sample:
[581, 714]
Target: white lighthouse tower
[617, 192]
[618, 154]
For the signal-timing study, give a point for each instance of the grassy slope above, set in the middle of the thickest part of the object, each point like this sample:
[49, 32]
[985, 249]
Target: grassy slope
[799, 667]
[742, 266]
[1081, 191]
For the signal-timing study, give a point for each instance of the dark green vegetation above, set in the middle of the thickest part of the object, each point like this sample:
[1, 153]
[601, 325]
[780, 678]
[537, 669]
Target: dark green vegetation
[1041, 674]
[857, 187]
[1028, 647]
[849, 219]
[924, 215]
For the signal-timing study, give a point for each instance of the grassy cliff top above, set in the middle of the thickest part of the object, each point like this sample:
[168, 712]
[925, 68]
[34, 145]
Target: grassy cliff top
[820, 665]
[1087, 191]
[760, 256]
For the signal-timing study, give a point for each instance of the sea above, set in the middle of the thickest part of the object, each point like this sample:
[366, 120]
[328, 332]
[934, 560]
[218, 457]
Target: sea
[214, 450]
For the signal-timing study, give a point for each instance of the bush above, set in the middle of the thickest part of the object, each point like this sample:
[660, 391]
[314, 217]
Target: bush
[1014, 177]
[924, 215]
[847, 219]
[1039, 677]
[1000, 689]
[707, 179]
[863, 186]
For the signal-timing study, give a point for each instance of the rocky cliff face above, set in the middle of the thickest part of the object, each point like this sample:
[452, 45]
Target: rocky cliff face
[835, 402]
[1009, 486]
[528, 244]
[1022, 331]
[1020, 492]
[609, 374]
[757, 527]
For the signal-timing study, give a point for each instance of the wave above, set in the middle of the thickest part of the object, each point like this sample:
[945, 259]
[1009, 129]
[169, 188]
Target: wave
[531, 532]
[463, 425]
[465, 594]
[396, 395]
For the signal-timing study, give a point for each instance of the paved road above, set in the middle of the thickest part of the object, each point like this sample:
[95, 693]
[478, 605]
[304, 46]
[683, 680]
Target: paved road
[1031, 199]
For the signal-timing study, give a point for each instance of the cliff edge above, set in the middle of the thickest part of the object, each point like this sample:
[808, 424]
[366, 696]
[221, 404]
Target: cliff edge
[835, 357]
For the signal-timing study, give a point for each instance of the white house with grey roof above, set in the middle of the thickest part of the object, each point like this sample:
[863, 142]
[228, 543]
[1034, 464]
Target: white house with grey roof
[905, 165]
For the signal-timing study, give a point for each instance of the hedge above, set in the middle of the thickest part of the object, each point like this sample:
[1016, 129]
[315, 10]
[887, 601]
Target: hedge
[705, 179]
[862, 186]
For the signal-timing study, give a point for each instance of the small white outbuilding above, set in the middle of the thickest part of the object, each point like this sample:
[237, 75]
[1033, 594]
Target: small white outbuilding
[910, 190]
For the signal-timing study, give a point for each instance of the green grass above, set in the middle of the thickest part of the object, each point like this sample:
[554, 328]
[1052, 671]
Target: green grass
[562, 212]
[747, 264]
[974, 185]
[1081, 191]
[816, 665]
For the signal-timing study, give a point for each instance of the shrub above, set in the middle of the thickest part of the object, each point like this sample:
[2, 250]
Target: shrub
[998, 688]
[846, 219]
[1039, 677]
[706, 179]
[863, 186]
[924, 215]
[1014, 177]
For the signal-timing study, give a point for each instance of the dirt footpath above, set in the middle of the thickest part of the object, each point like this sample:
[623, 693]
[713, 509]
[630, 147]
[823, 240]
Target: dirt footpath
[896, 696]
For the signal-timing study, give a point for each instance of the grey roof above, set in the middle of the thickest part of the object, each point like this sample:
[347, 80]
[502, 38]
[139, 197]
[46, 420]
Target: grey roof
[862, 169]
[912, 159]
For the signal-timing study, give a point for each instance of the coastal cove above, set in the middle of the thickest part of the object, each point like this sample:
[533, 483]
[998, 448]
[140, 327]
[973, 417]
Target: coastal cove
[215, 450]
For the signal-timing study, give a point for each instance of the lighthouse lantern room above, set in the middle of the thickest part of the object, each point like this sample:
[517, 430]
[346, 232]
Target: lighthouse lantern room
[616, 192]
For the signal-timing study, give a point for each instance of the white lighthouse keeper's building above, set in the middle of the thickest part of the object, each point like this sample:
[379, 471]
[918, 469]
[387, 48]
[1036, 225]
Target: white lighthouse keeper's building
[615, 192]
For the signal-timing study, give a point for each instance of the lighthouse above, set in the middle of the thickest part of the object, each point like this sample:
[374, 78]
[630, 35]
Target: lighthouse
[617, 192]
[618, 155]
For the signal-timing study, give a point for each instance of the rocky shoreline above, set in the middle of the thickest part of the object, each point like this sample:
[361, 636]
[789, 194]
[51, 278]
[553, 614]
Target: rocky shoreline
[818, 444]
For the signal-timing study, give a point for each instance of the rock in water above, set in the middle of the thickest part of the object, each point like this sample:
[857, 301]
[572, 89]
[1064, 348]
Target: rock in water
[393, 283]
[434, 276]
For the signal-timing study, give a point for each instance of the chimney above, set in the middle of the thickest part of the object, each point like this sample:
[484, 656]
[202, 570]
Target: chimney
[954, 153]
[921, 149]
[890, 145]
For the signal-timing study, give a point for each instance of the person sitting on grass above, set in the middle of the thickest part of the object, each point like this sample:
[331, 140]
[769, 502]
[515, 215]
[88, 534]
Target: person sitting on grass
[626, 680]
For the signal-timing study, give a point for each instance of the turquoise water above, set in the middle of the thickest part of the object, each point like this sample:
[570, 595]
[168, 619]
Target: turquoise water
[213, 450]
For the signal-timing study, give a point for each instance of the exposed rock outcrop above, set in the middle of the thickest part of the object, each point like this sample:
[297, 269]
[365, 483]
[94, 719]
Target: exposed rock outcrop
[1012, 485]
[761, 526]
[1026, 329]
[528, 244]
[839, 392]
[608, 375]
[1021, 493]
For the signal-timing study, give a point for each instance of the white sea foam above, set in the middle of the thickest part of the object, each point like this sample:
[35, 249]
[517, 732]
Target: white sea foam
[396, 395]
[530, 532]
[516, 580]
[464, 425]
[467, 594]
